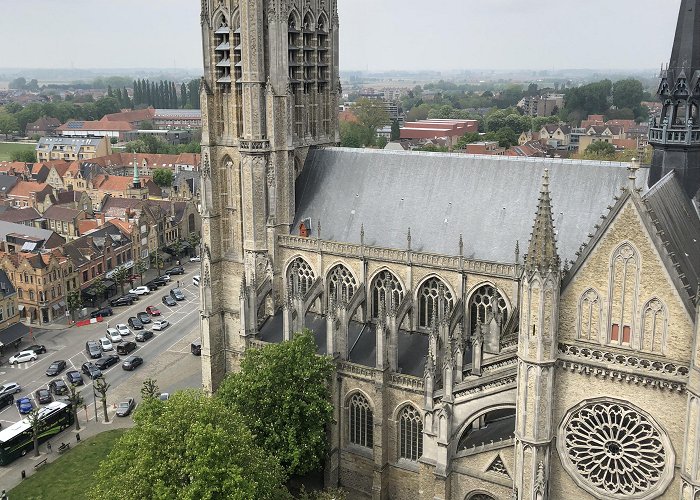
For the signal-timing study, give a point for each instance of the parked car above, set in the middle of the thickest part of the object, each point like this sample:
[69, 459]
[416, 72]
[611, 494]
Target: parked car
[195, 280]
[153, 311]
[6, 400]
[135, 323]
[123, 329]
[10, 388]
[160, 324]
[176, 270]
[164, 276]
[121, 301]
[113, 335]
[93, 348]
[196, 347]
[144, 335]
[132, 296]
[177, 294]
[126, 348]
[152, 286]
[161, 281]
[124, 408]
[37, 348]
[58, 387]
[55, 368]
[143, 317]
[106, 344]
[91, 370]
[196, 258]
[43, 396]
[22, 357]
[169, 301]
[24, 405]
[105, 311]
[132, 362]
[140, 290]
[107, 361]
[74, 377]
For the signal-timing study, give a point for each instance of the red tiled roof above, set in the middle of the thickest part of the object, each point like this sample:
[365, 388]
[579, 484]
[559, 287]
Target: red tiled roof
[25, 188]
[101, 126]
[136, 115]
[87, 225]
[105, 182]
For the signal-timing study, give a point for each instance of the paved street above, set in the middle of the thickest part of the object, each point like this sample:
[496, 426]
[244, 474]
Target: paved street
[167, 359]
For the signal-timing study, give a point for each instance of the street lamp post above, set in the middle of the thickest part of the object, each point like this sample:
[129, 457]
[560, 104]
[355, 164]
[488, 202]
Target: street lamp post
[94, 396]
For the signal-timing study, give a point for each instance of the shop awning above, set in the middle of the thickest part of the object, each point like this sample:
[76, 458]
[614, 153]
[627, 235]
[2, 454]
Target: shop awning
[55, 307]
[61, 303]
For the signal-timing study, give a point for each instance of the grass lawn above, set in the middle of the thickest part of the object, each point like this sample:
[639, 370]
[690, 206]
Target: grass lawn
[6, 148]
[71, 474]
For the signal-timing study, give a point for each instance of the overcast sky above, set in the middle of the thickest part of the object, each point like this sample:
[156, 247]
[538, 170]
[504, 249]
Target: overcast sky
[375, 34]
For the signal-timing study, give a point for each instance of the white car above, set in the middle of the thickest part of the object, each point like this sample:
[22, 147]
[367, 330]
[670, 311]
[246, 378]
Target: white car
[161, 324]
[106, 344]
[197, 258]
[113, 335]
[195, 280]
[123, 329]
[22, 357]
[9, 388]
[140, 290]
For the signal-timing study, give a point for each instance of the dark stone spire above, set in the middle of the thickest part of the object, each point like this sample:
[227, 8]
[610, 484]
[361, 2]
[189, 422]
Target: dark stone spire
[542, 251]
[676, 135]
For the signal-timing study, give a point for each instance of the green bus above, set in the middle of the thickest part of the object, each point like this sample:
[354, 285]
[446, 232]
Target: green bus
[17, 440]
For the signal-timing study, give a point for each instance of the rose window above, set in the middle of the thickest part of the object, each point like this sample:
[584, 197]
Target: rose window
[615, 451]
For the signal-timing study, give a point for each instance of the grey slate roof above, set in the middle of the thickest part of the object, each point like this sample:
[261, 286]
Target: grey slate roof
[6, 286]
[7, 182]
[491, 200]
[30, 231]
[679, 224]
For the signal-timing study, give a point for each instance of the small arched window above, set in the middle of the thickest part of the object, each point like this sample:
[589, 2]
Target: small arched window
[410, 434]
[484, 303]
[300, 270]
[431, 294]
[386, 288]
[589, 316]
[623, 291]
[654, 326]
[341, 284]
[361, 421]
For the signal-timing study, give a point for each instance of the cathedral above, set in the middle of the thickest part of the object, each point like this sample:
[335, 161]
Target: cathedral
[502, 328]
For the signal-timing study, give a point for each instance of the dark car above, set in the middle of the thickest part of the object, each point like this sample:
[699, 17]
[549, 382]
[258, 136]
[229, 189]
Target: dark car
[196, 347]
[105, 311]
[132, 296]
[126, 347]
[135, 323]
[161, 280]
[58, 386]
[93, 348]
[91, 370]
[43, 396]
[107, 361]
[121, 301]
[74, 377]
[177, 294]
[152, 286]
[143, 317]
[144, 335]
[6, 400]
[124, 408]
[55, 368]
[169, 301]
[132, 362]
[176, 270]
[24, 405]
[37, 348]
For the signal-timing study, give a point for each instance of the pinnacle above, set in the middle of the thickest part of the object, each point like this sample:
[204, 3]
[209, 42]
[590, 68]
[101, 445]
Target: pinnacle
[542, 250]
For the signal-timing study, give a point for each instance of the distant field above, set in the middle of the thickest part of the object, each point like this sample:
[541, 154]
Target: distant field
[7, 148]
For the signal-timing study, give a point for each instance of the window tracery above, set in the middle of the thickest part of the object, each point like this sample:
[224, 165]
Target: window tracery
[482, 304]
[589, 316]
[304, 274]
[623, 291]
[410, 434]
[361, 421]
[431, 293]
[386, 288]
[654, 326]
[341, 284]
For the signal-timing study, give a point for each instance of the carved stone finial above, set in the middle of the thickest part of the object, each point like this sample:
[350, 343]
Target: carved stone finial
[318, 229]
[542, 251]
[540, 479]
[362, 234]
[461, 245]
[408, 238]
[517, 252]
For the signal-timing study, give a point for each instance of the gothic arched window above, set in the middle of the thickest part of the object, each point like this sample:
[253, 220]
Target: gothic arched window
[361, 421]
[410, 433]
[482, 304]
[430, 294]
[589, 316]
[386, 288]
[341, 284]
[654, 326]
[300, 269]
[623, 291]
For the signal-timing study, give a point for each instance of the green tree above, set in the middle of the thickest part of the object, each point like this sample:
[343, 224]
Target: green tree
[24, 155]
[628, 93]
[8, 124]
[288, 420]
[381, 142]
[163, 177]
[157, 260]
[149, 389]
[395, 130]
[101, 387]
[354, 135]
[76, 401]
[74, 302]
[372, 114]
[599, 150]
[194, 239]
[593, 98]
[183, 95]
[37, 426]
[120, 276]
[140, 267]
[468, 138]
[99, 288]
[192, 447]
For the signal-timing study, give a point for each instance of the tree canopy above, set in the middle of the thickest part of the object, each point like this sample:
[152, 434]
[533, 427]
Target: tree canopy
[283, 393]
[599, 150]
[189, 447]
[163, 177]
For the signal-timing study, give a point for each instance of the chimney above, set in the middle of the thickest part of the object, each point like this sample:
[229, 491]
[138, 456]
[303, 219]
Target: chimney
[102, 218]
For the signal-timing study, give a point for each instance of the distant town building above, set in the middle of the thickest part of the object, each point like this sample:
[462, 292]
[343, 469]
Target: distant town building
[543, 105]
[71, 148]
[102, 128]
[42, 127]
[452, 130]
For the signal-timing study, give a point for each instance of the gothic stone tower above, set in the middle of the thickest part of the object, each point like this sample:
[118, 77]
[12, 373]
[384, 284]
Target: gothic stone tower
[676, 135]
[269, 92]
